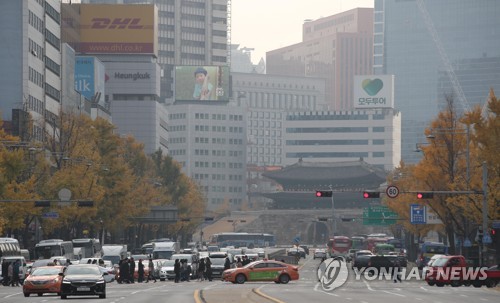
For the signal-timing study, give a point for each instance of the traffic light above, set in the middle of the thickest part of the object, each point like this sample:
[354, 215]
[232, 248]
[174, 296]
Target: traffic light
[85, 203]
[44, 203]
[371, 194]
[324, 193]
[425, 195]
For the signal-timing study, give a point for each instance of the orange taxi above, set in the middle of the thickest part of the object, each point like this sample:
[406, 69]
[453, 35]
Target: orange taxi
[266, 270]
[43, 279]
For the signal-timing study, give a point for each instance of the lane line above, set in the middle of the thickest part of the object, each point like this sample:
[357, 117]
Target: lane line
[260, 293]
[316, 288]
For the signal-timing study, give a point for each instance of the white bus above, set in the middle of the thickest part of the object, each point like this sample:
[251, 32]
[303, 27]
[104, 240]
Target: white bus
[9, 247]
[47, 249]
[86, 248]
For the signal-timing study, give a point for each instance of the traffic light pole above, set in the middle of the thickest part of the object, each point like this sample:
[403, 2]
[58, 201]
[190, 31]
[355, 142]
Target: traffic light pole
[334, 221]
[485, 210]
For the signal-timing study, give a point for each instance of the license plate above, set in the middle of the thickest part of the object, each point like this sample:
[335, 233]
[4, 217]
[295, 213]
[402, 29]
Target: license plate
[83, 288]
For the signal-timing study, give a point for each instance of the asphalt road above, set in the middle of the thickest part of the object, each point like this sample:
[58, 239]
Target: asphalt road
[306, 290]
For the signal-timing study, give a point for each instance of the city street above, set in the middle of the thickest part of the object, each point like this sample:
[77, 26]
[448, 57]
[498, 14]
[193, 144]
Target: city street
[307, 289]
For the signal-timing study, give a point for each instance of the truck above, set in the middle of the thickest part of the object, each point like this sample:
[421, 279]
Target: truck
[114, 252]
[165, 250]
[455, 271]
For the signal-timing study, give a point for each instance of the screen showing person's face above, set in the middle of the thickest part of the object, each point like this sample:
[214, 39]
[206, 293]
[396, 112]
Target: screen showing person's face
[200, 77]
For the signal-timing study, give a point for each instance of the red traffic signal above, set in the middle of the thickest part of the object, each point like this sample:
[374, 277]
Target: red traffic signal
[371, 194]
[425, 195]
[324, 193]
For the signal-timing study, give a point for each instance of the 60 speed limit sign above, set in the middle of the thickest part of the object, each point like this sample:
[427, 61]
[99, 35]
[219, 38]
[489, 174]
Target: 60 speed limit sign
[392, 191]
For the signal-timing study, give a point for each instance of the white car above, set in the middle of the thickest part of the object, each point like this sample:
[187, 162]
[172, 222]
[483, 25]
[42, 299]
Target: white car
[320, 253]
[167, 270]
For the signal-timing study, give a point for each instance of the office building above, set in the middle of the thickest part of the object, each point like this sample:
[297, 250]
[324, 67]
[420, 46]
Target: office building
[413, 42]
[30, 57]
[336, 48]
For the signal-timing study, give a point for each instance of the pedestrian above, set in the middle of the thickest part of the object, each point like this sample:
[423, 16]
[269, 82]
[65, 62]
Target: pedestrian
[201, 269]
[140, 271]
[227, 263]
[5, 273]
[68, 262]
[10, 274]
[124, 271]
[396, 273]
[208, 268]
[238, 262]
[151, 271]
[15, 273]
[177, 270]
[131, 266]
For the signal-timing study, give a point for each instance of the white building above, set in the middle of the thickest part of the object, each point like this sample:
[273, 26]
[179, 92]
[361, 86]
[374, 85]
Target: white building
[209, 141]
[30, 57]
[326, 136]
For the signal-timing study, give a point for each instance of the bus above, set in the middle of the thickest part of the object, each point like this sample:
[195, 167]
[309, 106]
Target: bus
[86, 248]
[339, 246]
[9, 247]
[429, 249]
[358, 242]
[47, 249]
[372, 241]
[250, 240]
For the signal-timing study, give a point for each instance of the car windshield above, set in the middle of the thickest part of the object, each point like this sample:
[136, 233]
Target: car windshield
[46, 271]
[83, 270]
[251, 264]
[218, 261]
[168, 263]
[440, 262]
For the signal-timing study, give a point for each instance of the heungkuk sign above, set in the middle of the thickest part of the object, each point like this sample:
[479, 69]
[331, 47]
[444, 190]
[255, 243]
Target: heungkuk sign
[374, 91]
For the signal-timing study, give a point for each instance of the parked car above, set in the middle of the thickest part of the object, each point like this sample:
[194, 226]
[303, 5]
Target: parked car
[319, 253]
[276, 271]
[83, 280]
[44, 279]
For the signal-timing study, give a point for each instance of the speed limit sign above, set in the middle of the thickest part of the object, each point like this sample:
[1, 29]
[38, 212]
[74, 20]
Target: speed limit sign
[392, 191]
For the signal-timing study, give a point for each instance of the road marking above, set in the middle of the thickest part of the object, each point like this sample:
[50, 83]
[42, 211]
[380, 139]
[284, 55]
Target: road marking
[393, 293]
[463, 295]
[368, 286]
[316, 288]
[423, 288]
[260, 293]
[418, 299]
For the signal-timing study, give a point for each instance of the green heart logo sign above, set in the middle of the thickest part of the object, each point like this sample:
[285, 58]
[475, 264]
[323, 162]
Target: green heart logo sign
[372, 87]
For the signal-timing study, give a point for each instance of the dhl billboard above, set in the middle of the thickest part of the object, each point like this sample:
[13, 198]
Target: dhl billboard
[118, 29]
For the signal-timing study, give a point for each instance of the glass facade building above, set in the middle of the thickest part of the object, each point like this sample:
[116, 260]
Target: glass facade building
[404, 46]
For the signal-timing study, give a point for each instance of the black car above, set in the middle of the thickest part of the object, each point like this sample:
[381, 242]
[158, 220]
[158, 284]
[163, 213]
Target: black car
[361, 261]
[217, 267]
[83, 280]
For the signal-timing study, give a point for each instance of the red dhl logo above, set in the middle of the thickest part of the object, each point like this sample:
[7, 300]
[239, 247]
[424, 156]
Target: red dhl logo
[116, 23]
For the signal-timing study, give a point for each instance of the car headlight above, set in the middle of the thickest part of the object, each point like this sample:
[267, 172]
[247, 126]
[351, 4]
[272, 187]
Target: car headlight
[100, 281]
[66, 281]
[56, 280]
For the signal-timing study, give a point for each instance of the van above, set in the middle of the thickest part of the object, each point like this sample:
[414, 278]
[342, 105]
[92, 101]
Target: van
[23, 268]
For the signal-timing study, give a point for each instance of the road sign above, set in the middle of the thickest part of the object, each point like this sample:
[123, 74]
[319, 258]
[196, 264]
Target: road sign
[418, 214]
[467, 243]
[487, 238]
[392, 191]
[379, 215]
[50, 215]
[495, 224]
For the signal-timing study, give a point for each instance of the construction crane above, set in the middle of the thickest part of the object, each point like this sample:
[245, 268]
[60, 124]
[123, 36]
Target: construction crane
[444, 57]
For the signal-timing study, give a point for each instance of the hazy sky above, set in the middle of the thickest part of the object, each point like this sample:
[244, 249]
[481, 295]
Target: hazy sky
[266, 25]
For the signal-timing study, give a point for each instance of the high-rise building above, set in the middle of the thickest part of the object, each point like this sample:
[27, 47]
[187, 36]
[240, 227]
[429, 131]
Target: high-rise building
[190, 32]
[336, 48]
[209, 141]
[413, 39]
[30, 57]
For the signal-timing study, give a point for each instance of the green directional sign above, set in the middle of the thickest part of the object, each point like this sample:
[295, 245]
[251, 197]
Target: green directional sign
[379, 215]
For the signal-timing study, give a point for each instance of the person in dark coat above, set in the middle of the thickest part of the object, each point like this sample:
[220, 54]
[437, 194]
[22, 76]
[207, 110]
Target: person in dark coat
[177, 270]
[124, 271]
[15, 273]
[5, 273]
[201, 269]
[131, 266]
[208, 268]
[140, 271]
[227, 263]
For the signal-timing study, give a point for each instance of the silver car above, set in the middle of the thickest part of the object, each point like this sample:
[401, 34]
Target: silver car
[167, 270]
